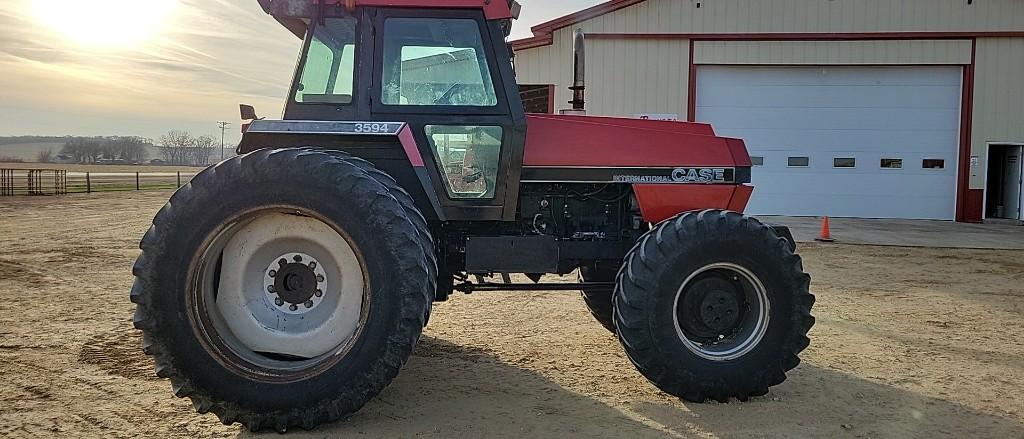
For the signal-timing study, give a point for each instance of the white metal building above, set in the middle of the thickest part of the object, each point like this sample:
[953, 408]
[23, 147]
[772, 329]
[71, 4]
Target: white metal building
[857, 108]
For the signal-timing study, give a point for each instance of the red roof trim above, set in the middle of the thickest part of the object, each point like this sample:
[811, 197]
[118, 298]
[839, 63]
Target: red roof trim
[530, 43]
[807, 36]
[542, 33]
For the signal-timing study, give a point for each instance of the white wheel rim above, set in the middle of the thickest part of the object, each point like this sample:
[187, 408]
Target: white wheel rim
[252, 320]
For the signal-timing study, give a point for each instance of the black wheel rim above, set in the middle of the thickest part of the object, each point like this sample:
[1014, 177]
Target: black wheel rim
[721, 311]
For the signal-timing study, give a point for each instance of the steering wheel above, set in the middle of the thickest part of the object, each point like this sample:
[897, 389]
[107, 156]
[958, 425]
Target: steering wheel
[446, 98]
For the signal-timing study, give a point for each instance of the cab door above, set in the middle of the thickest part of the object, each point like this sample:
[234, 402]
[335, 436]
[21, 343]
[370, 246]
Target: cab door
[448, 74]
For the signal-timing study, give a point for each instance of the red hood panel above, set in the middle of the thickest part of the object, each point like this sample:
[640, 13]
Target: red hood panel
[555, 140]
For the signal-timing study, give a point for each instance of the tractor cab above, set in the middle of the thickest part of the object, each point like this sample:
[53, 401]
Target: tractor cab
[440, 71]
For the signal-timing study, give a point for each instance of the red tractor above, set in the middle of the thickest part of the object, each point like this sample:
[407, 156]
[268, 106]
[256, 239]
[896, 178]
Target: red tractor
[287, 286]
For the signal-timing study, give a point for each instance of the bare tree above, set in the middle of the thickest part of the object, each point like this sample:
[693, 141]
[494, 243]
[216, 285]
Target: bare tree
[175, 145]
[130, 149]
[82, 149]
[202, 149]
[73, 148]
[181, 148]
[45, 156]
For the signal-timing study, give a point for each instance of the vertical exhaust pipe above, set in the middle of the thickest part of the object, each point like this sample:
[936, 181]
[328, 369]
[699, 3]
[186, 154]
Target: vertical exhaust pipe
[579, 75]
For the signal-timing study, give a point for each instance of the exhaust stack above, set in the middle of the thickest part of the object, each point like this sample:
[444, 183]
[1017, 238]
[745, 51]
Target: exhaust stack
[579, 75]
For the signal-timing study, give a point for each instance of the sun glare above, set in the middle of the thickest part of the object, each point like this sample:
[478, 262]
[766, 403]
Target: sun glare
[105, 23]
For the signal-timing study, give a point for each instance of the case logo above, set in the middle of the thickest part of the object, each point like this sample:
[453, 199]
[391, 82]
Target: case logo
[682, 176]
[699, 175]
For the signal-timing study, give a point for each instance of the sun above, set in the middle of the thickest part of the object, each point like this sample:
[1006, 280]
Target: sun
[105, 23]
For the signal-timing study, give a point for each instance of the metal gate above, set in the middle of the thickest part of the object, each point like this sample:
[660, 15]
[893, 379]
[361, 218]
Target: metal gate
[33, 182]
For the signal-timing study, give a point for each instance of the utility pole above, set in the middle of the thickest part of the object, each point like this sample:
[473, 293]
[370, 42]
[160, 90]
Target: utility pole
[223, 129]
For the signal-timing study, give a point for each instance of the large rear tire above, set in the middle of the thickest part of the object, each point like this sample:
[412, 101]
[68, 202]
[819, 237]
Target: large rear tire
[283, 288]
[713, 305]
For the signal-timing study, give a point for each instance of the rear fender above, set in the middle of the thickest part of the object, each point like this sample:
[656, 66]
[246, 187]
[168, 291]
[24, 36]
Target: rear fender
[388, 145]
[783, 232]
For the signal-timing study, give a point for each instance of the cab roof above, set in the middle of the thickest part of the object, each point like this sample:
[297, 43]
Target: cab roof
[293, 14]
[493, 10]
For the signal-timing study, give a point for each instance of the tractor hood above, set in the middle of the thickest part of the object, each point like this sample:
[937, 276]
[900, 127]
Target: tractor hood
[674, 166]
[592, 141]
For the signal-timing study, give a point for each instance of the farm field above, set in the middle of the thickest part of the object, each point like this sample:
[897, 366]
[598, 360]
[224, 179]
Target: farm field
[910, 343]
[28, 151]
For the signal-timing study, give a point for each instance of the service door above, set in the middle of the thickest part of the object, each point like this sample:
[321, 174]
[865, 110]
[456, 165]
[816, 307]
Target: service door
[1012, 182]
[870, 142]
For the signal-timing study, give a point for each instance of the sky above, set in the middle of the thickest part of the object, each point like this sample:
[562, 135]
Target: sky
[73, 67]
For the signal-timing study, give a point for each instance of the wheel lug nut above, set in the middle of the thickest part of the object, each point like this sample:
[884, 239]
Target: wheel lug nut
[318, 293]
[283, 262]
[279, 302]
[272, 273]
[312, 264]
[297, 258]
[319, 278]
[293, 307]
[271, 289]
[309, 304]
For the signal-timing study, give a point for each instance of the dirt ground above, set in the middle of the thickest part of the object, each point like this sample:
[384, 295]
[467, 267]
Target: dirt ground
[923, 343]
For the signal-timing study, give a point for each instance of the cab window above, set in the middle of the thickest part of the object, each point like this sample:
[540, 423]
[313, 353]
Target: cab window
[329, 65]
[435, 62]
[468, 157]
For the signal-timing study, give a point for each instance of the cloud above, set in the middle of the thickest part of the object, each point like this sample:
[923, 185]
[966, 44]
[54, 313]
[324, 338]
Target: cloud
[209, 56]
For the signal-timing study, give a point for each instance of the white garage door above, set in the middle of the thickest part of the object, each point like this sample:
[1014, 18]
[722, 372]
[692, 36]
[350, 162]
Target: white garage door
[869, 142]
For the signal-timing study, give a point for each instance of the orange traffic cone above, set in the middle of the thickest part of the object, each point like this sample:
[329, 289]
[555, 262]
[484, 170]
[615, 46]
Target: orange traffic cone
[826, 232]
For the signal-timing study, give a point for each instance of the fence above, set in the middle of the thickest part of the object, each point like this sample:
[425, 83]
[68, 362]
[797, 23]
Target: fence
[15, 182]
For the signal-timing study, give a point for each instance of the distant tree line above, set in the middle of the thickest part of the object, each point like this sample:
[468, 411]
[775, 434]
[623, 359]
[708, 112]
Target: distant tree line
[30, 139]
[179, 148]
[127, 149]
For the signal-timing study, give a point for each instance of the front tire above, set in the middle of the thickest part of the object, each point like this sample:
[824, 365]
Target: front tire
[283, 288]
[599, 300]
[713, 305]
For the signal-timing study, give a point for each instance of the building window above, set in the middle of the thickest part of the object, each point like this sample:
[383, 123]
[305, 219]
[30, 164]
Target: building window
[933, 164]
[799, 162]
[892, 164]
[757, 161]
[844, 162]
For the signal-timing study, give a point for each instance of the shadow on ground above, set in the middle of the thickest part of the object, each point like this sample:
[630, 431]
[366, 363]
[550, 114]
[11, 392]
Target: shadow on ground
[818, 402]
[448, 390]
